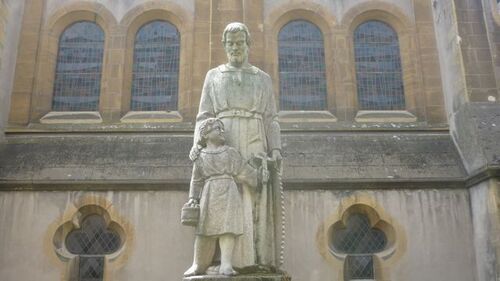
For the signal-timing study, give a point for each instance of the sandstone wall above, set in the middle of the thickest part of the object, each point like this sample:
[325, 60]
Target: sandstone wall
[11, 12]
[433, 233]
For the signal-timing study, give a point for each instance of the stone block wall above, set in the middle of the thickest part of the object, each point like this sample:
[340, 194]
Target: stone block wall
[485, 202]
[4, 9]
[158, 247]
[11, 12]
[3, 26]
[477, 57]
[468, 59]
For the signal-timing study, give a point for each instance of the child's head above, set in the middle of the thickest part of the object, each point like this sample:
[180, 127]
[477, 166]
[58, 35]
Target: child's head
[211, 130]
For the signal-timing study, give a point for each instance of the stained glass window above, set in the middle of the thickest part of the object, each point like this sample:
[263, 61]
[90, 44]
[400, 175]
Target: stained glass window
[359, 240]
[302, 67]
[91, 268]
[359, 237]
[156, 67]
[92, 238]
[378, 67]
[358, 267]
[91, 242]
[78, 72]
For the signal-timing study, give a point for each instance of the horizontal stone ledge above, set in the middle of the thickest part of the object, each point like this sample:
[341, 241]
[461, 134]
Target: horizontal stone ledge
[256, 277]
[151, 117]
[374, 184]
[483, 174]
[188, 127]
[72, 117]
[306, 116]
[385, 116]
[326, 184]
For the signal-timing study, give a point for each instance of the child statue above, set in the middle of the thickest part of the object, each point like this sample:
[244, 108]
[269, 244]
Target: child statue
[217, 170]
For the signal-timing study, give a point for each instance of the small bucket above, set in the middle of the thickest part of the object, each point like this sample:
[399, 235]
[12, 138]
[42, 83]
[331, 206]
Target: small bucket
[190, 215]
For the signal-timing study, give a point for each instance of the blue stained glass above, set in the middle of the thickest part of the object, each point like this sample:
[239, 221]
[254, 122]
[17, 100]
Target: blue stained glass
[378, 67]
[77, 82]
[156, 67]
[302, 67]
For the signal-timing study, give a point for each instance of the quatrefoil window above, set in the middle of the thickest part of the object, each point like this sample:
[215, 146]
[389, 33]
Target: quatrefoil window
[91, 242]
[93, 238]
[357, 239]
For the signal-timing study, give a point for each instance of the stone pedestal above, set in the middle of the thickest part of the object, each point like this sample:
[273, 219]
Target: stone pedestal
[243, 277]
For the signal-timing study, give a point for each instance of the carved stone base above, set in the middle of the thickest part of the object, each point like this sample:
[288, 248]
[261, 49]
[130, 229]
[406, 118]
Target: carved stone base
[243, 277]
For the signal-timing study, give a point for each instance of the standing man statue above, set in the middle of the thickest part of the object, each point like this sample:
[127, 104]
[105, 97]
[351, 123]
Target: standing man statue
[241, 96]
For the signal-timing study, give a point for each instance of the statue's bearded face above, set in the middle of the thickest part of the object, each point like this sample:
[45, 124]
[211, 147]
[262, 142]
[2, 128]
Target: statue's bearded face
[236, 48]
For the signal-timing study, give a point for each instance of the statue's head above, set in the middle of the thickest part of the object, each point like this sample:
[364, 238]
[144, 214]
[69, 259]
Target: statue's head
[211, 129]
[236, 40]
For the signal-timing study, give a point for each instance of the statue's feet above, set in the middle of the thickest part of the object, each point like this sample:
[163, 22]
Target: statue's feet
[227, 270]
[194, 270]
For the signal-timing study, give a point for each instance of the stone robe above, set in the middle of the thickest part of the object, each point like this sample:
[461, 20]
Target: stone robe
[243, 99]
[214, 178]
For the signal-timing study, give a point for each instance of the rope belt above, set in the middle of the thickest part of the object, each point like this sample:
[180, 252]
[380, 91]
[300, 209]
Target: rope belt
[220, 177]
[239, 113]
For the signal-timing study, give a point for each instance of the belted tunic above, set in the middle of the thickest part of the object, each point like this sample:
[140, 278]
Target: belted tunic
[214, 178]
[243, 99]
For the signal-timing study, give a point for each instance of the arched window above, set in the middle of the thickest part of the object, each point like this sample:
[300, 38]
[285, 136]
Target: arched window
[378, 67]
[302, 67]
[79, 65]
[156, 68]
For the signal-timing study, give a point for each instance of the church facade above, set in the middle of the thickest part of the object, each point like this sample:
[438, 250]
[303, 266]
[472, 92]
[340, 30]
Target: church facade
[390, 125]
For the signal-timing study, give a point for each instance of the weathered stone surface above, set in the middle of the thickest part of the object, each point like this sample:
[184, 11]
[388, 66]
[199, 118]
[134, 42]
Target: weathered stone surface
[10, 25]
[238, 109]
[163, 158]
[477, 133]
[487, 120]
[435, 227]
[257, 277]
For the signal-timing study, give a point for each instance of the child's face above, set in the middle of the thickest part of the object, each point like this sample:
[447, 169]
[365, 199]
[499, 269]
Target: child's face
[216, 135]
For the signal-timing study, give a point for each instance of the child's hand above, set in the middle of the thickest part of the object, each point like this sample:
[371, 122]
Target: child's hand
[193, 202]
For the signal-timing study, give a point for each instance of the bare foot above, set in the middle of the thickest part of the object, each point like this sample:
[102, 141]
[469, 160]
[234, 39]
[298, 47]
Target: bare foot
[227, 270]
[193, 270]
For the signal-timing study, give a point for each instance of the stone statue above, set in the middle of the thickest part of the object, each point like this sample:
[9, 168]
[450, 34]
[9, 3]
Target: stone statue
[217, 168]
[241, 96]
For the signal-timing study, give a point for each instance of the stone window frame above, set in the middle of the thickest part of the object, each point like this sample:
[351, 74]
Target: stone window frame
[4, 10]
[287, 32]
[368, 206]
[132, 22]
[399, 22]
[370, 33]
[96, 35]
[41, 107]
[72, 218]
[117, 63]
[317, 15]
